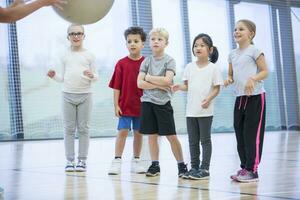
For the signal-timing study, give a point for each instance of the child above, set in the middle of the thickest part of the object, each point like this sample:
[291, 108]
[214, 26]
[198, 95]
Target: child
[202, 80]
[127, 99]
[155, 78]
[78, 71]
[247, 69]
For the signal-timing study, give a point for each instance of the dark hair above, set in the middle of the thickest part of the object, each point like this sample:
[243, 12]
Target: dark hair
[213, 57]
[136, 30]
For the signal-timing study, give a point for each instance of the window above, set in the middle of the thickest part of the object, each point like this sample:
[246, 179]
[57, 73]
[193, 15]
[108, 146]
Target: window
[295, 13]
[41, 97]
[4, 108]
[210, 17]
[174, 48]
[161, 19]
[260, 15]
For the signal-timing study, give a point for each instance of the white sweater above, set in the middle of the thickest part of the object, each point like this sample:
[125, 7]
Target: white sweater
[73, 64]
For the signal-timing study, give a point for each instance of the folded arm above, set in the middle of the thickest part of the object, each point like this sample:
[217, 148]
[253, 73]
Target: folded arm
[145, 85]
[166, 80]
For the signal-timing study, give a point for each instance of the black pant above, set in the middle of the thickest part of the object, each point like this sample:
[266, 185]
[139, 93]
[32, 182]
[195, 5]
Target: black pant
[199, 130]
[157, 119]
[249, 126]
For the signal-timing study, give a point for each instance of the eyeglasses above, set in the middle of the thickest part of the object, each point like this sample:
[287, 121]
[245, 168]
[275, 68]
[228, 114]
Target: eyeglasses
[78, 34]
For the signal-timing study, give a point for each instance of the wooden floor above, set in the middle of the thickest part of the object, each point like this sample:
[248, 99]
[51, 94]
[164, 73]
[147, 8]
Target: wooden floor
[35, 170]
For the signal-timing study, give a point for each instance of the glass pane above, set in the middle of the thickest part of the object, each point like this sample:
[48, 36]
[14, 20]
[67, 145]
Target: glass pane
[41, 97]
[260, 15]
[4, 108]
[215, 14]
[160, 19]
[296, 38]
[174, 48]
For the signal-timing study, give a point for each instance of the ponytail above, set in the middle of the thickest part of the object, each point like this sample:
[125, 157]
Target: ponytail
[213, 57]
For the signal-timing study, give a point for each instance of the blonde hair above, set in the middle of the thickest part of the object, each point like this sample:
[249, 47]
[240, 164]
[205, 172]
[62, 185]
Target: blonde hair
[160, 31]
[72, 25]
[250, 25]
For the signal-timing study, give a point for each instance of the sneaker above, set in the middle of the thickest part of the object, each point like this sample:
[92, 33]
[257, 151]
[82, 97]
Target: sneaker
[153, 170]
[115, 167]
[247, 176]
[199, 174]
[186, 175]
[234, 176]
[70, 166]
[137, 166]
[182, 169]
[81, 166]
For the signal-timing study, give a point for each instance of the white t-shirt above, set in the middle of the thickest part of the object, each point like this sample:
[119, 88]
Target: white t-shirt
[73, 64]
[200, 83]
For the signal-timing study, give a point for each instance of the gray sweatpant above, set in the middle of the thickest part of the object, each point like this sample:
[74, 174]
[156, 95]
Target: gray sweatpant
[199, 130]
[76, 116]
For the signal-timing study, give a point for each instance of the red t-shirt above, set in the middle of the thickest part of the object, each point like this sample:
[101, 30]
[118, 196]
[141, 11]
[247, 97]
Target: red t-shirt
[125, 80]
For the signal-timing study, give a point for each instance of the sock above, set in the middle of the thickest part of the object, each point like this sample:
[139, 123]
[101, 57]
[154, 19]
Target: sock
[118, 157]
[180, 163]
[155, 162]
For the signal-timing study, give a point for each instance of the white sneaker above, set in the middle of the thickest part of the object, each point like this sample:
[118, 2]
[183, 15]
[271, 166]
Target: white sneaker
[70, 166]
[81, 166]
[115, 167]
[137, 166]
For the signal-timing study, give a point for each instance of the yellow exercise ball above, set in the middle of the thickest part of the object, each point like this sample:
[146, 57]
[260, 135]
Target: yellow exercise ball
[84, 11]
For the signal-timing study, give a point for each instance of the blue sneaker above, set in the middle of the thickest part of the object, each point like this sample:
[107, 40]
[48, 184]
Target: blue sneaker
[199, 174]
[186, 175]
[182, 169]
[153, 170]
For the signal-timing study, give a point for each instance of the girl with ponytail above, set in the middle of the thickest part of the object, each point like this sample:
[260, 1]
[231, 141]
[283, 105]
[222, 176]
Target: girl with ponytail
[202, 80]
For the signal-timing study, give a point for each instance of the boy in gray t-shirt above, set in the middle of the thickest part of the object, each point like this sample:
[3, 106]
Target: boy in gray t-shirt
[155, 78]
[158, 67]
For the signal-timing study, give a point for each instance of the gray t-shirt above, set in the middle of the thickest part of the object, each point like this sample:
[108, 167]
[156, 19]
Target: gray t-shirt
[157, 67]
[244, 66]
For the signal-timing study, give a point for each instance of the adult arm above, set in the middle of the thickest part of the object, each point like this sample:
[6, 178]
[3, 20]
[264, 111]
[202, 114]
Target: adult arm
[18, 9]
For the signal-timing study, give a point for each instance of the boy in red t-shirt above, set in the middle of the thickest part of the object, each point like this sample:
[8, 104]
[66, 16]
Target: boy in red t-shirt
[127, 99]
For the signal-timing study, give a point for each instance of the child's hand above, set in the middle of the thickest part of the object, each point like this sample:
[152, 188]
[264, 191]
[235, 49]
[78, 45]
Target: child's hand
[175, 88]
[51, 73]
[228, 82]
[147, 77]
[205, 103]
[88, 73]
[249, 87]
[118, 111]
